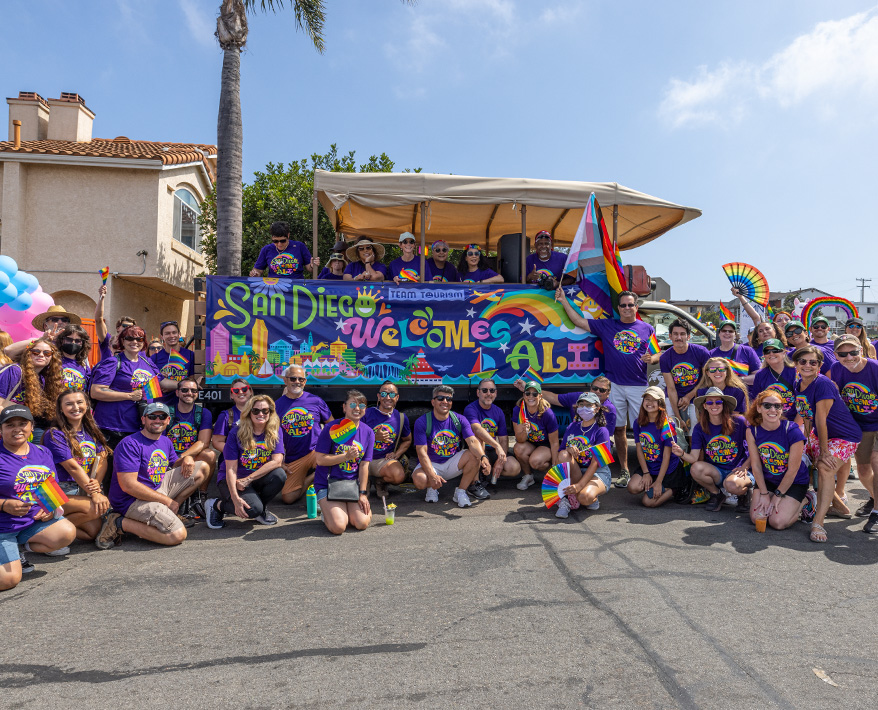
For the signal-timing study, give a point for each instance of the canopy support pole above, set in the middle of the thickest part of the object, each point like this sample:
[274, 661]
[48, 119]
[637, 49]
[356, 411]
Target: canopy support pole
[615, 224]
[523, 243]
[314, 229]
[558, 223]
[423, 241]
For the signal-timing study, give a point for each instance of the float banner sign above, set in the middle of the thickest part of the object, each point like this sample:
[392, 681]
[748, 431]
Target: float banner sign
[416, 334]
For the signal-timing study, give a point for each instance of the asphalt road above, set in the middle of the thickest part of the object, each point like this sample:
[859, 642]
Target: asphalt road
[498, 606]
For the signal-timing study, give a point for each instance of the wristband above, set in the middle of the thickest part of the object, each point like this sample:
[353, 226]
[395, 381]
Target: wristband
[3, 506]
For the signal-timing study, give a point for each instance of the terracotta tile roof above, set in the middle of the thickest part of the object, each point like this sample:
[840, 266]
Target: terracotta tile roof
[121, 147]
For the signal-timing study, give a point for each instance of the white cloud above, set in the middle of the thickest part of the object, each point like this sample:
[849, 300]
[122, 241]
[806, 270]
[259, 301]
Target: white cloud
[201, 23]
[837, 56]
[562, 14]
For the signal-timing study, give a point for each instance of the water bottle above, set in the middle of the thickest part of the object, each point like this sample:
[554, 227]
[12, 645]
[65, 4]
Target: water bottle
[311, 502]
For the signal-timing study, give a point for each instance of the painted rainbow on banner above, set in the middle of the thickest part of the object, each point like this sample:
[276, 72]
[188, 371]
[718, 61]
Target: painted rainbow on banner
[343, 432]
[49, 495]
[541, 305]
[153, 388]
[828, 302]
[727, 314]
[750, 280]
[603, 453]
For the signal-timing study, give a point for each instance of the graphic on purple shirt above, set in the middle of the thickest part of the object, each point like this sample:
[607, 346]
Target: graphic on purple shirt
[554, 266]
[290, 262]
[150, 459]
[73, 375]
[840, 423]
[492, 420]
[327, 275]
[173, 372]
[379, 422]
[568, 401]
[248, 459]
[541, 425]
[56, 442]
[355, 268]
[652, 445]
[580, 438]
[740, 353]
[685, 370]
[20, 476]
[783, 384]
[301, 420]
[859, 391]
[724, 452]
[363, 441]
[470, 277]
[447, 274]
[735, 392]
[774, 451]
[624, 345]
[413, 268]
[446, 439]
[183, 432]
[122, 375]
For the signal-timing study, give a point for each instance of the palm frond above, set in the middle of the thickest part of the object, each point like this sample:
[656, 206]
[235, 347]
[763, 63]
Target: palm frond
[309, 16]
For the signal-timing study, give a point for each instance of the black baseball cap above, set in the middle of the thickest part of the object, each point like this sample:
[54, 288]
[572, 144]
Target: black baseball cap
[15, 410]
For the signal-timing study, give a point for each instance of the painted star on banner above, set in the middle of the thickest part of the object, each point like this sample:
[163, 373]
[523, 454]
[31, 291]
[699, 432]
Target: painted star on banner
[340, 324]
[503, 347]
[526, 326]
[470, 312]
[571, 290]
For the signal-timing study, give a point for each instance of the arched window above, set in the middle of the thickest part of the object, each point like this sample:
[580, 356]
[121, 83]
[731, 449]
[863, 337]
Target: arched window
[186, 214]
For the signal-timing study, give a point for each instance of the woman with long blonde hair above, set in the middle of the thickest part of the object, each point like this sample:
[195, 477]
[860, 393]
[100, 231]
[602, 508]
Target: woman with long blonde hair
[5, 342]
[34, 382]
[717, 372]
[252, 472]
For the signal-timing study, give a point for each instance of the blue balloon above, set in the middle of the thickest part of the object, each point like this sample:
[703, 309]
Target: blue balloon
[4, 279]
[9, 292]
[21, 302]
[8, 266]
[19, 280]
[29, 280]
[4, 299]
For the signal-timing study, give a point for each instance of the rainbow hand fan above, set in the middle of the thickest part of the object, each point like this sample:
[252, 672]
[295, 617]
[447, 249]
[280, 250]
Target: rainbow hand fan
[556, 480]
[749, 280]
[828, 302]
[343, 431]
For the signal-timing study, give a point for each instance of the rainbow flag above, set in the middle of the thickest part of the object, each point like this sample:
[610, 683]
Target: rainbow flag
[669, 431]
[653, 345]
[769, 311]
[532, 374]
[49, 495]
[586, 251]
[739, 368]
[153, 389]
[179, 360]
[522, 414]
[105, 274]
[603, 453]
[727, 314]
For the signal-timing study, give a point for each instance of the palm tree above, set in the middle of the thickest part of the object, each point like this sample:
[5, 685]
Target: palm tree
[231, 31]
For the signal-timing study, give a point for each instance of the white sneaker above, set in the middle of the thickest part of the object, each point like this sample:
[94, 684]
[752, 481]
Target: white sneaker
[594, 506]
[731, 500]
[461, 498]
[527, 480]
[432, 495]
[59, 553]
[563, 509]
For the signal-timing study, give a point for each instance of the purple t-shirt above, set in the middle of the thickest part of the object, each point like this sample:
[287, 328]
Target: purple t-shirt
[151, 459]
[122, 375]
[248, 459]
[568, 400]
[554, 266]
[327, 275]
[840, 423]
[859, 391]
[106, 350]
[376, 420]
[10, 381]
[774, 451]
[685, 369]
[735, 392]
[183, 432]
[363, 441]
[227, 420]
[828, 349]
[355, 268]
[651, 443]
[290, 262]
[20, 476]
[445, 438]
[301, 420]
[447, 274]
[580, 438]
[173, 372]
[541, 425]
[724, 452]
[740, 353]
[624, 345]
[413, 268]
[492, 420]
[471, 277]
[55, 441]
[783, 384]
[75, 376]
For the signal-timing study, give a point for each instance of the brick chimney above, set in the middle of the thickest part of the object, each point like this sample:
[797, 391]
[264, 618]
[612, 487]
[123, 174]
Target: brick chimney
[33, 111]
[71, 119]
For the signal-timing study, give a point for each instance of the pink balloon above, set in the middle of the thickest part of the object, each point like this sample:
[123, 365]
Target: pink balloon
[41, 303]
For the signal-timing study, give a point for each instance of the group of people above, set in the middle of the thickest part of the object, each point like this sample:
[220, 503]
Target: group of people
[362, 261]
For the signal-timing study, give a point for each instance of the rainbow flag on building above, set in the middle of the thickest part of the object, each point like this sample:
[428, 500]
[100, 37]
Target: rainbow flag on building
[49, 495]
[153, 389]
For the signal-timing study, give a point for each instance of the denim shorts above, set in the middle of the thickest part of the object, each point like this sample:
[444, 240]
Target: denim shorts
[321, 493]
[603, 474]
[9, 542]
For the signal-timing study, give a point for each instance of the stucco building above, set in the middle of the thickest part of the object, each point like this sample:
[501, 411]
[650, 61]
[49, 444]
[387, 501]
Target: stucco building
[71, 204]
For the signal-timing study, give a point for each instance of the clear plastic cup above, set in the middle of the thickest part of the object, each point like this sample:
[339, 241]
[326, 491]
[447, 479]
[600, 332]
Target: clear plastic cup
[390, 515]
[760, 521]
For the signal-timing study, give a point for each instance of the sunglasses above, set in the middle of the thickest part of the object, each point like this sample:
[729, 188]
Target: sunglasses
[716, 369]
[812, 363]
[795, 331]
[46, 353]
[488, 389]
[296, 379]
[389, 395]
[440, 250]
[771, 351]
[474, 253]
[57, 319]
[408, 241]
[73, 340]
[357, 405]
[132, 339]
[157, 416]
[854, 325]
[600, 390]
[127, 325]
[819, 326]
[531, 394]
[847, 353]
[443, 398]
[166, 323]
[713, 402]
[240, 390]
[627, 305]
[260, 411]
[188, 390]
[772, 405]
[279, 241]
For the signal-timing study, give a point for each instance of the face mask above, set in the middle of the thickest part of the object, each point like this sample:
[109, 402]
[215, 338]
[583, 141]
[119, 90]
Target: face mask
[71, 348]
[585, 413]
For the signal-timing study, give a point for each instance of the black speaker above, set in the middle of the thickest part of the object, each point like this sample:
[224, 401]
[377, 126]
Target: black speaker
[509, 257]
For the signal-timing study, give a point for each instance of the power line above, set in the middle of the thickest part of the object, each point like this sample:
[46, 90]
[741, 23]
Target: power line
[862, 287]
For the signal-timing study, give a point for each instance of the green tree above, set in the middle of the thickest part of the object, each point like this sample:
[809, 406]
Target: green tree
[282, 193]
[712, 317]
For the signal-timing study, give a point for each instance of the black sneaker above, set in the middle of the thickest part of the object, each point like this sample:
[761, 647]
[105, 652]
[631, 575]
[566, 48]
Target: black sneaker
[871, 525]
[196, 506]
[865, 509]
[212, 516]
[26, 567]
[743, 503]
[715, 502]
[267, 518]
[477, 490]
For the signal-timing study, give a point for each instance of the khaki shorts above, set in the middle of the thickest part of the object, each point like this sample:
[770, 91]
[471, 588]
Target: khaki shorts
[448, 469]
[867, 446]
[158, 515]
[297, 471]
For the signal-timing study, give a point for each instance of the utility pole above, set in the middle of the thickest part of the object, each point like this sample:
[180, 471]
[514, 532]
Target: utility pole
[863, 283]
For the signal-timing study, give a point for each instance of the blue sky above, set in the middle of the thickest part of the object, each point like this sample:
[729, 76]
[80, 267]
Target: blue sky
[759, 113]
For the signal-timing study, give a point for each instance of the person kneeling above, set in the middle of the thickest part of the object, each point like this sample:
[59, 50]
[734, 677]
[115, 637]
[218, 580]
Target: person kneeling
[149, 482]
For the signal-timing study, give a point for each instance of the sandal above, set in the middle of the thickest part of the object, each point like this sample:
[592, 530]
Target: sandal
[818, 533]
[836, 513]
